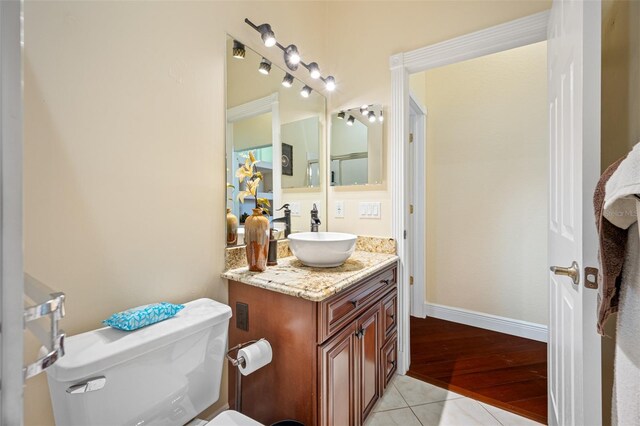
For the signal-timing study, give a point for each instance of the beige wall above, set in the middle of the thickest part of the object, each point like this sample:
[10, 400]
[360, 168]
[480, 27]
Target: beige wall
[124, 134]
[124, 150]
[620, 123]
[252, 132]
[620, 78]
[361, 36]
[487, 161]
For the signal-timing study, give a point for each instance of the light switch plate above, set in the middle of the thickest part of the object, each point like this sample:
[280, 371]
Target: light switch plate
[295, 209]
[339, 209]
[370, 210]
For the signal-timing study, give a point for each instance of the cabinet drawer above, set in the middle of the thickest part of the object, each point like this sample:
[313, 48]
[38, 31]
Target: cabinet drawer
[340, 309]
[389, 315]
[389, 360]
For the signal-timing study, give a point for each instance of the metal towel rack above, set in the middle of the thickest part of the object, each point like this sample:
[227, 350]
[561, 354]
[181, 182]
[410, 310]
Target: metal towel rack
[46, 303]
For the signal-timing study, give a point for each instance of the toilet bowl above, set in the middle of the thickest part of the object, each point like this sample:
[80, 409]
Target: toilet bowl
[163, 374]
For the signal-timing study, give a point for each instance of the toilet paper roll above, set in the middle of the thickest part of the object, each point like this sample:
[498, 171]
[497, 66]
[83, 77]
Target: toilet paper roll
[256, 356]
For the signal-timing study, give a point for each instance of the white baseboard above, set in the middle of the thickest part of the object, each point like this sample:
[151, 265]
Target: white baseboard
[514, 327]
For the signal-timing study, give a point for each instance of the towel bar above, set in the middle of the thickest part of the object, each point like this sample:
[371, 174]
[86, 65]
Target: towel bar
[47, 303]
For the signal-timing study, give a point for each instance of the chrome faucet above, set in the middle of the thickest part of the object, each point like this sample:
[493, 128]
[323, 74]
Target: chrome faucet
[286, 219]
[315, 221]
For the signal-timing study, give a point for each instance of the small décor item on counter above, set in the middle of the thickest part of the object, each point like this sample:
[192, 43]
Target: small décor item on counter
[232, 228]
[256, 238]
[256, 226]
[232, 221]
[272, 259]
[142, 316]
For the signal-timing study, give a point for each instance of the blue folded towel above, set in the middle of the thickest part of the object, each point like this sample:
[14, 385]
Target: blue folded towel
[142, 316]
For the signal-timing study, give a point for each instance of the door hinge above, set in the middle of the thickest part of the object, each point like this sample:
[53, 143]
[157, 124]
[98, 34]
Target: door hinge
[591, 277]
[411, 280]
[410, 208]
[410, 137]
[405, 234]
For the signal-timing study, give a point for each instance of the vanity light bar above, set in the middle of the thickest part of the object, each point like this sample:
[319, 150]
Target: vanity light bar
[291, 55]
[368, 112]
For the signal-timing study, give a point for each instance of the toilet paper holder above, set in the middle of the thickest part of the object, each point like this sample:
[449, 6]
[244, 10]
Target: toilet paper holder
[236, 362]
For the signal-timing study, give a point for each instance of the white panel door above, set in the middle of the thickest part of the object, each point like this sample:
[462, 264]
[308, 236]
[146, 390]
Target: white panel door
[574, 137]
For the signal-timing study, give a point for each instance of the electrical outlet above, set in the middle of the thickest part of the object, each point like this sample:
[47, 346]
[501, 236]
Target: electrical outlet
[339, 209]
[295, 209]
[242, 316]
[370, 210]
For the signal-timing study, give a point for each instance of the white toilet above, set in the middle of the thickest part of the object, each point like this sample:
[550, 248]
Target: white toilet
[164, 374]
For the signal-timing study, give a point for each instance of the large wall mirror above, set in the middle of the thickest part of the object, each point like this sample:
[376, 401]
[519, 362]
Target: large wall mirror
[356, 146]
[282, 123]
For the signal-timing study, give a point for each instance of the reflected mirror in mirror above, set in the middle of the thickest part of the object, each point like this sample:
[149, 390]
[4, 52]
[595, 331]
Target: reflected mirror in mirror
[356, 146]
[269, 115]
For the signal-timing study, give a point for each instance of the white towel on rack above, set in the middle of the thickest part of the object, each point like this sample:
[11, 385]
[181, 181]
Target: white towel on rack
[621, 189]
[621, 208]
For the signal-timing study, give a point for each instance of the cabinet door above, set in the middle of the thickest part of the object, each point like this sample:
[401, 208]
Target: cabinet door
[389, 315]
[389, 360]
[337, 377]
[368, 335]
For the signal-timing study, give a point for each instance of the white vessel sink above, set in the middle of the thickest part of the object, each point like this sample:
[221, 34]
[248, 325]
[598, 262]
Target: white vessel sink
[322, 249]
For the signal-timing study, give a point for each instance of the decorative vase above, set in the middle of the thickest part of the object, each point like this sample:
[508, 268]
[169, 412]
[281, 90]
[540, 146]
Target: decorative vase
[256, 237]
[232, 228]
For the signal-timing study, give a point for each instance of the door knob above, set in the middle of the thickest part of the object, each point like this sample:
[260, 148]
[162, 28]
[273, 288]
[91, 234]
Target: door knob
[572, 272]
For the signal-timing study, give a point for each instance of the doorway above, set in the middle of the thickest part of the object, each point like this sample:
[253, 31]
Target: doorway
[574, 391]
[485, 293]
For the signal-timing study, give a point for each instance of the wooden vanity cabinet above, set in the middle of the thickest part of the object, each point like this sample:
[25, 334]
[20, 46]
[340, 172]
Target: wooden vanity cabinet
[331, 359]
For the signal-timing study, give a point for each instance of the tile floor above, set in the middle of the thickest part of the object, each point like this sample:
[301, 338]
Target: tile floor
[408, 402]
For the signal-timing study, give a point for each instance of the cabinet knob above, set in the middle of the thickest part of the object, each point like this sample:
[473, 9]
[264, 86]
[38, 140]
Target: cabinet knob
[386, 282]
[354, 303]
[393, 363]
[360, 333]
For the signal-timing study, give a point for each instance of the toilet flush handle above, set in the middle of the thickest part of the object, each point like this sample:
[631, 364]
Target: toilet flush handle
[90, 385]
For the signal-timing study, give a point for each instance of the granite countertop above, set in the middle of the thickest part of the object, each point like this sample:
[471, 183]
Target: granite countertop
[291, 277]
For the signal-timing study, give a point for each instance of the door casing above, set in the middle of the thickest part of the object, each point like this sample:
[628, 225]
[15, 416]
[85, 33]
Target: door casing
[517, 33]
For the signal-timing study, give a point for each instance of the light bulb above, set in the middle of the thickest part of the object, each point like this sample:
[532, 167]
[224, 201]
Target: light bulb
[268, 36]
[306, 91]
[314, 70]
[292, 54]
[372, 117]
[265, 66]
[287, 81]
[238, 50]
[350, 120]
[330, 83]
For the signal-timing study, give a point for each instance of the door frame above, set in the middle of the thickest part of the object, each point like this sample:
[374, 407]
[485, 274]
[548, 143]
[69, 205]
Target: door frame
[520, 32]
[11, 256]
[418, 226]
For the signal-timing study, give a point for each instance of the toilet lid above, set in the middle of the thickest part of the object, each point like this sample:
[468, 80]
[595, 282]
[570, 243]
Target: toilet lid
[233, 418]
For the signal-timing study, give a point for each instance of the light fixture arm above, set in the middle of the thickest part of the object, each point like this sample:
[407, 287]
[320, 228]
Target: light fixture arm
[284, 50]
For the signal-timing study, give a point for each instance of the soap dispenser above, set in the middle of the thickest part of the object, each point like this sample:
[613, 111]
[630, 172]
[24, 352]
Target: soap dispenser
[272, 257]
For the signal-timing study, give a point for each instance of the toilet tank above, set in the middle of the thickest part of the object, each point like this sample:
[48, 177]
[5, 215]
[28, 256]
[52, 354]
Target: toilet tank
[163, 374]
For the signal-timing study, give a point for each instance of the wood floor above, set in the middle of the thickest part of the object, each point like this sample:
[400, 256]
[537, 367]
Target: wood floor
[499, 369]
